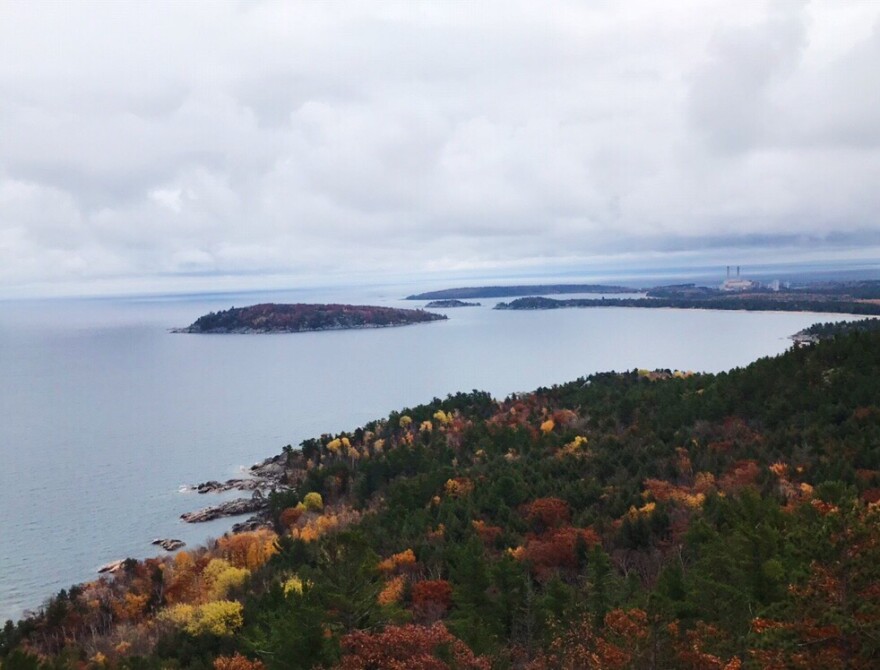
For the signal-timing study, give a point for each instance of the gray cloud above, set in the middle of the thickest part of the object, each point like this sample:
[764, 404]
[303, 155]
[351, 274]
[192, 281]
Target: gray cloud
[307, 139]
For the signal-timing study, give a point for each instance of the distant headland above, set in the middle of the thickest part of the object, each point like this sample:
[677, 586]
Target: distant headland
[715, 300]
[301, 318]
[735, 293]
[509, 291]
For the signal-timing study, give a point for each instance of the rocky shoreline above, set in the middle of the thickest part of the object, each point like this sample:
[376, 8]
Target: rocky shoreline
[276, 473]
[247, 330]
[230, 508]
[265, 477]
[802, 338]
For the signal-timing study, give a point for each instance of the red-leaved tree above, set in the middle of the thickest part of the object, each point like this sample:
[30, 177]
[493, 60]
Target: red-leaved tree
[408, 648]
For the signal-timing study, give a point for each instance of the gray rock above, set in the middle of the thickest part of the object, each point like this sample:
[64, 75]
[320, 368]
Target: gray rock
[112, 567]
[169, 544]
[230, 508]
[255, 522]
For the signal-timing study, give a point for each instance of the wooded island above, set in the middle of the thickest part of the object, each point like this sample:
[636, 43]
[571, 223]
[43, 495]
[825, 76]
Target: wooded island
[300, 317]
[447, 304]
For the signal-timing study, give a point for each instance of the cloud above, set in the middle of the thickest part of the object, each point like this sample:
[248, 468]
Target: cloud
[731, 95]
[307, 139]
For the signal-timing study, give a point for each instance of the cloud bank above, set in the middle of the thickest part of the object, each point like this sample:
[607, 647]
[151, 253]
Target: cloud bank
[235, 138]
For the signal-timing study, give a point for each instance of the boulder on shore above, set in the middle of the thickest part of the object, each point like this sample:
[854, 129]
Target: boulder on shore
[112, 567]
[169, 544]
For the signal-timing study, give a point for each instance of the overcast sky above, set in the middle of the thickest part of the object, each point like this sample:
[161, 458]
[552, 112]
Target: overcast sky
[186, 144]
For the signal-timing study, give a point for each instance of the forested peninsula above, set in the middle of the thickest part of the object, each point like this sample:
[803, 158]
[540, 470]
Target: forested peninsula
[299, 318]
[823, 331]
[754, 302]
[641, 519]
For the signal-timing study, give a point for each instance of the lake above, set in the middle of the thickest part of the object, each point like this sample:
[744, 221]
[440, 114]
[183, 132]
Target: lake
[105, 415]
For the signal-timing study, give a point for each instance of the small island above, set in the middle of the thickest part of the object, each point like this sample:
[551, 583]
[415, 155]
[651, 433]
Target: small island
[301, 318]
[446, 304]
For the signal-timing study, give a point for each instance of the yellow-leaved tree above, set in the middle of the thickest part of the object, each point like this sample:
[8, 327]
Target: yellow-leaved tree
[219, 617]
[313, 502]
[224, 577]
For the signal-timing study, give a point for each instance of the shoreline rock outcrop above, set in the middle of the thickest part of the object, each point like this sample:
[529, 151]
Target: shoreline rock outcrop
[112, 567]
[230, 508]
[269, 475]
[169, 544]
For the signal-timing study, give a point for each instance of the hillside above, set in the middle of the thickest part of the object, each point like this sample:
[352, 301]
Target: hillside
[640, 519]
[298, 318]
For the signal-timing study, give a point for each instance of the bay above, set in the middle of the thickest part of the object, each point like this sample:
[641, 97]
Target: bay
[105, 415]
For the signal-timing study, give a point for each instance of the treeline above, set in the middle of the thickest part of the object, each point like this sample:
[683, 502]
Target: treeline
[626, 520]
[868, 289]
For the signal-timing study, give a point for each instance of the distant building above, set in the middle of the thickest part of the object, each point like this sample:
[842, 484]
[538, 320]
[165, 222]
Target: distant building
[737, 283]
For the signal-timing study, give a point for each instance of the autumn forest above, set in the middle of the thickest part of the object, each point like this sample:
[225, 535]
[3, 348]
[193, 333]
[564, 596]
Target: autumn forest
[642, 519]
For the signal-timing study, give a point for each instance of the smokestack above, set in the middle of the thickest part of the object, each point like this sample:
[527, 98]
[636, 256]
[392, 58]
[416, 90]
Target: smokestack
[728, 272]
[737, 271]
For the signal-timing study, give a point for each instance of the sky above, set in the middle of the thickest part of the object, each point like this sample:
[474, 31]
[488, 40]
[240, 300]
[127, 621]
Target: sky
[197, 145]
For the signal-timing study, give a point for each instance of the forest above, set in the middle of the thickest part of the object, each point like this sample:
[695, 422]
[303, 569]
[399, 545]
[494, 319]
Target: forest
[297, 318]
[635, 519]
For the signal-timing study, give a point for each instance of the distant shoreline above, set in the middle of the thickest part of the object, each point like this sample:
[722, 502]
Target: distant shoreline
[731, 304]
[463, 293]
[449, 304]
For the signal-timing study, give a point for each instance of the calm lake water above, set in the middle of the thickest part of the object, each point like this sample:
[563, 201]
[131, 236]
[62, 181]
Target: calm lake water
[104, 414]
